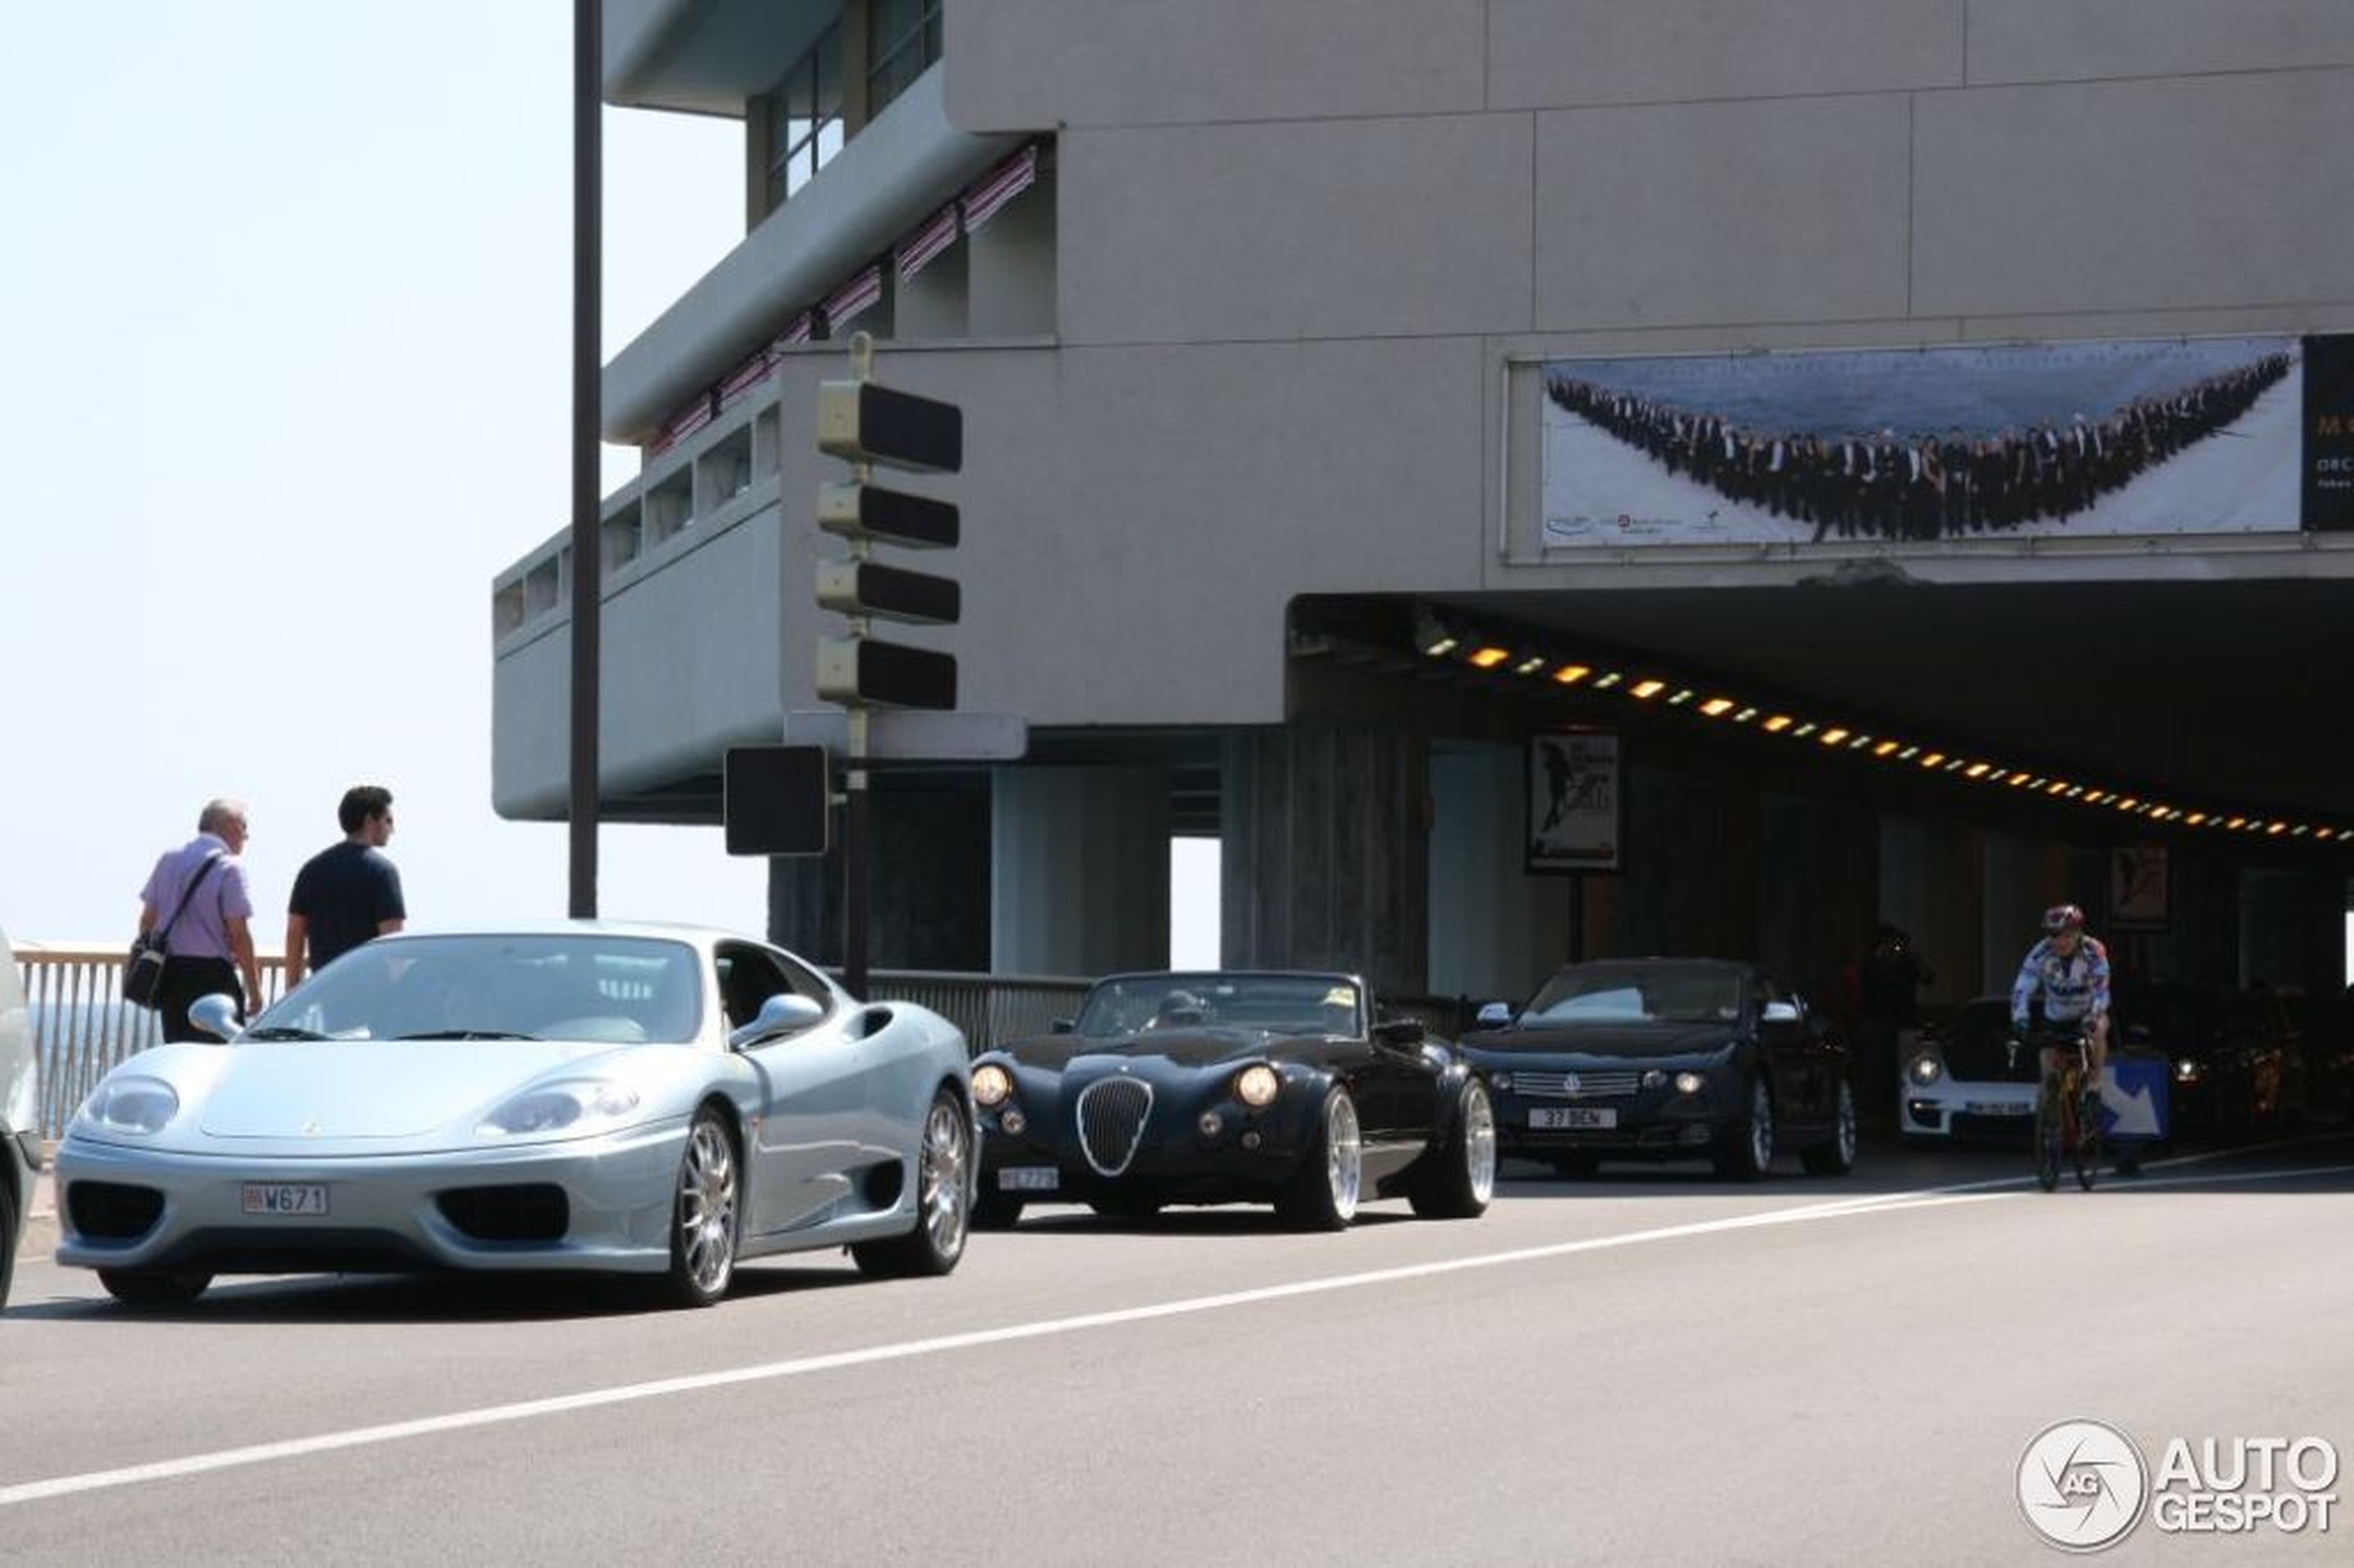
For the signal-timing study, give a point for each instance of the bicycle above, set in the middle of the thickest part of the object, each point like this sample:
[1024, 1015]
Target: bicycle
[2068, 1112]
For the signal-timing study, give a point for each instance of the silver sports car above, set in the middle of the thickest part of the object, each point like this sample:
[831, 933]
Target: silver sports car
[570, 1096]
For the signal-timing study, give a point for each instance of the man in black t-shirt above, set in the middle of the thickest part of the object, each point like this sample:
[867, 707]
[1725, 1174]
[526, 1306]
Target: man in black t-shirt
[348, 892]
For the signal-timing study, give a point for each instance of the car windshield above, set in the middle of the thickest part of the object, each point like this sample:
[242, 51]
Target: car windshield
[568, 987]
[1280, 1004]
[1624, 994]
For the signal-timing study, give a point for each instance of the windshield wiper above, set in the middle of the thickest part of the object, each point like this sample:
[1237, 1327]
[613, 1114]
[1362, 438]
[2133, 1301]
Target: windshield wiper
[281, 1031]
[468, 1035]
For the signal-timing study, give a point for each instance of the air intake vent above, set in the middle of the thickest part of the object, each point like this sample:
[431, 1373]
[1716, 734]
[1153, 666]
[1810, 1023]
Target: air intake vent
[111, 1211]
[527, 1212]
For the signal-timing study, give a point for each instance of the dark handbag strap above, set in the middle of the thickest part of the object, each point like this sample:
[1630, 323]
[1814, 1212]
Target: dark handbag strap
[203, 871]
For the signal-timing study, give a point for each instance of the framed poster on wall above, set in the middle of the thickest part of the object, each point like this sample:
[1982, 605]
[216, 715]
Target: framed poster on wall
[1574, 815]
[2137, 889]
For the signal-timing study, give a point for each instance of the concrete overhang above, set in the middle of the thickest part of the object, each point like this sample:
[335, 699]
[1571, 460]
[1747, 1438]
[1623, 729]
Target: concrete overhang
[892, 176]
[704, 57]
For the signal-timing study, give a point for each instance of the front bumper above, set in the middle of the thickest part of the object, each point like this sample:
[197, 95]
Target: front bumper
[384, 1213]
[1248, 1159]
[1662, 1122]
[1951, 1110]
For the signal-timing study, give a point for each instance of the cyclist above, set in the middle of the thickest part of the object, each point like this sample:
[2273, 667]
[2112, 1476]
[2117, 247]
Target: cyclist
[2072, 972]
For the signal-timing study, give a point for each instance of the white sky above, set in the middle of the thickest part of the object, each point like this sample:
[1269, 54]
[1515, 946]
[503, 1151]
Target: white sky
[287, 337]
[284, 315]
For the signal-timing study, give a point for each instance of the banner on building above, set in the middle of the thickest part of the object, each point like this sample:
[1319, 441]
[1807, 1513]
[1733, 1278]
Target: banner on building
[1573, 802]
[2178, 436]
[2138, 897]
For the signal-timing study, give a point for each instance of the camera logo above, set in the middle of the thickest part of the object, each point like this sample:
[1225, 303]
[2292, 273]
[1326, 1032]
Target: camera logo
[2081, 1485]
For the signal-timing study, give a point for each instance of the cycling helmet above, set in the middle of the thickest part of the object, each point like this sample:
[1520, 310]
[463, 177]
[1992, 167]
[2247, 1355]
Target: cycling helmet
[2063, 918]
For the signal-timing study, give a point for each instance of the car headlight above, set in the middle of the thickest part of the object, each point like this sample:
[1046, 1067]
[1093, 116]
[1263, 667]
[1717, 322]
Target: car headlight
[132, 1104]
[553, 1107]
[1689, 1083]
[2188, 1072]
[993, 1085]
[1257, 1085]
[1925, 1068]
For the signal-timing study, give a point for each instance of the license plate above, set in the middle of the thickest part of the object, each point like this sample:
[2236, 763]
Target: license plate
[1572, 1115]
[1029, 1178]
[1997, 1107]
[291, 1199]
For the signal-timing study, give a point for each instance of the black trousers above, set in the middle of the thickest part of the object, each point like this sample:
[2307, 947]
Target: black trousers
[184, 980]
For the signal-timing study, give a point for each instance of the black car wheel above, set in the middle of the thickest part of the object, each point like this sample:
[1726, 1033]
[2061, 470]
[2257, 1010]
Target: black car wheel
[8, 1240]
[1836, 1154]
[705, 1214]
[1321, 1195]
[1747, 1152]
[155, 1287]
[1461, 1174]
[943, 1200]
[997, 1211]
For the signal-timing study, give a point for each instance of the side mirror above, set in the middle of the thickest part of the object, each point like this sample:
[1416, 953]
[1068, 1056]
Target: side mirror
[1064, 1026]
[1400, 1033]
[785, 1011]
[1780, 1013]
[216, 1014]
[1494, 1014]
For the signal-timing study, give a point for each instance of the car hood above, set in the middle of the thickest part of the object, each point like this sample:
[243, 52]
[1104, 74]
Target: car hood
[1639, 1041]
[1164, 1047]
[328, 1089]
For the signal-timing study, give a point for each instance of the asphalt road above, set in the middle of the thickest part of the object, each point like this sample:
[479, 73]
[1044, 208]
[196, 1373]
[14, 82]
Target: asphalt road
[1650, 1367]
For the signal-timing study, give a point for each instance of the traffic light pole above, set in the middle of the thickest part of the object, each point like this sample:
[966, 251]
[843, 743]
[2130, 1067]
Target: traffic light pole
[857, 828]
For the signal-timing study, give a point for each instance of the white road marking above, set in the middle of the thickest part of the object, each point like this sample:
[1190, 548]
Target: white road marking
[529, 1409]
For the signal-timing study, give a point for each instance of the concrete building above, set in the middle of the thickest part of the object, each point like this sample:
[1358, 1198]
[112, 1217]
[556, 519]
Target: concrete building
[1250, 305]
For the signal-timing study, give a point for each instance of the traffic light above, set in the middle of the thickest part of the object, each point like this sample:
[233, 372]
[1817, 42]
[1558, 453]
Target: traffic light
[865, 424]
[775, 800]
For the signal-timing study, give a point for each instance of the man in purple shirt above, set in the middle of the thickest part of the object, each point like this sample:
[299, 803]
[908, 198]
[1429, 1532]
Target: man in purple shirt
[211, 944]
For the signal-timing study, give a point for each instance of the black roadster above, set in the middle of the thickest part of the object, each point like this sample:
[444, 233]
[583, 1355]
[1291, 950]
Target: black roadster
[1667, 1057]
[1218, 1087]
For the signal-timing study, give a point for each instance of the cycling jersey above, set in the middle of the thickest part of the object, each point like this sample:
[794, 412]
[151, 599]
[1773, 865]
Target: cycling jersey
[2074, 988]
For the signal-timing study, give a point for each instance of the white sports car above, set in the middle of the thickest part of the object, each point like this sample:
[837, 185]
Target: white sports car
[570, 1095]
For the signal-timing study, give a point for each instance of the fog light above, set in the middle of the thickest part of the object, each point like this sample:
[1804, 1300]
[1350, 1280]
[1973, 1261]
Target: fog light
[1211, 1124]
[1689, 1083]
[1501, 1082]
[1654, 1078]
[1014, 1122]
[1251, 1139]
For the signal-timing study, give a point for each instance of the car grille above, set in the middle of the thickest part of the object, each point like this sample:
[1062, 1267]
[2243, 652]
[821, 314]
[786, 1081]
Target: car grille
[536, 1211]
[1111, 1122]
[111, 1211]
[1607, 1085]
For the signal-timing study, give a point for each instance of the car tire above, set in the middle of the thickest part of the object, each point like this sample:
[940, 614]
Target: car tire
[1460, 1180]
[1576, 1165]
[1745, 1152]
[1323, 1193]
[155, 1287]
[8, 1240]
[997, 1211]
[943, 1201]
[706, 1213]
[1836, 1154]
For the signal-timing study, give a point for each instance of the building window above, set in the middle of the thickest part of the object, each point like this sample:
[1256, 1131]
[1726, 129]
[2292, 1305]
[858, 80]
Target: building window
[903, 40]
[804, 118]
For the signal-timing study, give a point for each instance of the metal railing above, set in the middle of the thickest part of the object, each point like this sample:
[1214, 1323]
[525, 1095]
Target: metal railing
[82, 1027]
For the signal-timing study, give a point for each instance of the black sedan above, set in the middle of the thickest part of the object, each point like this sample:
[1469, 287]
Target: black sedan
[1233, 1087]
[1668, 1058]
